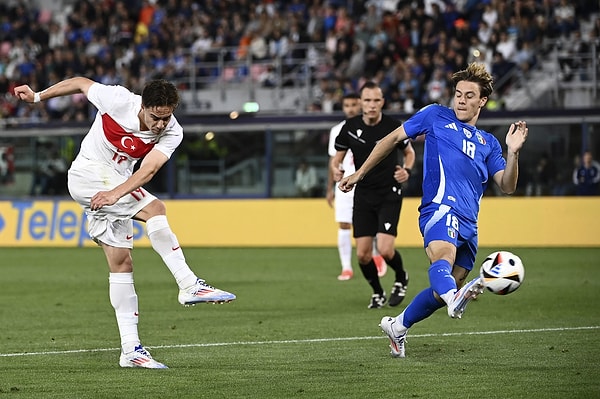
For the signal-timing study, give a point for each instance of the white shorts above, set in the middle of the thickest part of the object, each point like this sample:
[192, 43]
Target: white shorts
[111, 225]
[343, 204]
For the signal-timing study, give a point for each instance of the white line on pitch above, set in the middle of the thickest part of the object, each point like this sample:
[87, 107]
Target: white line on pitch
[299, 341]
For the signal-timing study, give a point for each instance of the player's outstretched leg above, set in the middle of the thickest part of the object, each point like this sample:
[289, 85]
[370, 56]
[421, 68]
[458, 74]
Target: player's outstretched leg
[192, 289]
[460, 300]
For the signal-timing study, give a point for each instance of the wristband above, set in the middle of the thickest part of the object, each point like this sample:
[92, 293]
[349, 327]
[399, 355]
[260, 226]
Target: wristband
[408, 171]
[36, 97]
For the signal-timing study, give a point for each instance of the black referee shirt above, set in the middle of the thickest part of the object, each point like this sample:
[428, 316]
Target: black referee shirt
[361, 138]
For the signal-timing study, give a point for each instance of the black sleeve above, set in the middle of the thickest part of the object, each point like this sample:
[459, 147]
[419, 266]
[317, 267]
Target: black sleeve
[403, 144]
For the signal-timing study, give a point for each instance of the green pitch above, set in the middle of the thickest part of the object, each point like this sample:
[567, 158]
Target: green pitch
[294, 331]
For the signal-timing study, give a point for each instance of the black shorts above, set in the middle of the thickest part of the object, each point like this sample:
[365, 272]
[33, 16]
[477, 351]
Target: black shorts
[376, 211]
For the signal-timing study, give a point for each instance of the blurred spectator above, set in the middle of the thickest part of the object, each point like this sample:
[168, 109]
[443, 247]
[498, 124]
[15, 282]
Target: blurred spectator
[3, 166]
[258, 47]
[490, 14]
[484, 32]
[574, 54]
[436, 87]
[7, 165]
[564, 17]
[501, 68]
[506, 46]
[541, 178]
[279, 45]
[269, 77]
[586, 177]
[50, 175]
[202, 44]
[306, 180]
[525, 57]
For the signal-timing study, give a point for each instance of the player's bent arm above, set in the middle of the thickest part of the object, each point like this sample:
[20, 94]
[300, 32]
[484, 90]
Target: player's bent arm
[381, 150]
[63, 88]
[150, 165]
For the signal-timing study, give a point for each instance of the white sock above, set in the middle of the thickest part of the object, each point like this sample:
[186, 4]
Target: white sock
[448, 296]
[345, 248]
[166, 245]
[400, 319]
[125, 302]
[375, 250]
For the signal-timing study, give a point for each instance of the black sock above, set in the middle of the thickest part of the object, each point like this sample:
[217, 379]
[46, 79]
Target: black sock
[396, 264]
[370, 272]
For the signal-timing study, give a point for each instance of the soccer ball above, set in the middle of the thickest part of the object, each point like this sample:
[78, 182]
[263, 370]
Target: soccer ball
[502, 272]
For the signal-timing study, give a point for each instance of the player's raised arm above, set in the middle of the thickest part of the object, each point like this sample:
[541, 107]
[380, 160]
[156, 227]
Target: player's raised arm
[515, 138]
[380, 151]
[62, 88]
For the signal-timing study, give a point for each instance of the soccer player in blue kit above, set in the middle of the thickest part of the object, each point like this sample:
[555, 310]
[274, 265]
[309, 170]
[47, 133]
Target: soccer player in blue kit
[459, 160]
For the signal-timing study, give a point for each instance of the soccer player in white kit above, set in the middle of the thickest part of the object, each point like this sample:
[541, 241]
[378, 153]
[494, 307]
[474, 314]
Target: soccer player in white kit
[342, 202]
[128, 127]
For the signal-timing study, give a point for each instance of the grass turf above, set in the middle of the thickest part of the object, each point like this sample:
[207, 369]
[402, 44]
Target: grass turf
[294, 331]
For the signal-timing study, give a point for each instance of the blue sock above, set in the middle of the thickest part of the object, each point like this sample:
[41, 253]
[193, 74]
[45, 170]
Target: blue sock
[422, 306]
[440, 277]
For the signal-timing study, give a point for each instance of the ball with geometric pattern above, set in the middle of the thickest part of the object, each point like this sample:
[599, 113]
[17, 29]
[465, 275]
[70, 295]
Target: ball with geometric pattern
[502, 272]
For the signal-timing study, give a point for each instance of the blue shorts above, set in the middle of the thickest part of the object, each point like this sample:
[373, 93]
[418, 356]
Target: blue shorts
[440, 222]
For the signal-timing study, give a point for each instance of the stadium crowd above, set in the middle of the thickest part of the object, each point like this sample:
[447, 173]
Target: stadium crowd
[408, 47]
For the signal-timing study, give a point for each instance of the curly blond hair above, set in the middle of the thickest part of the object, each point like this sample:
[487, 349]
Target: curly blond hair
[476, 73]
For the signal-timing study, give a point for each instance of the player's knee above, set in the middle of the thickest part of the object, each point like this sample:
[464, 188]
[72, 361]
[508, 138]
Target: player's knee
[155, 208]
[387, 253]
[364, 257]
[119, 260]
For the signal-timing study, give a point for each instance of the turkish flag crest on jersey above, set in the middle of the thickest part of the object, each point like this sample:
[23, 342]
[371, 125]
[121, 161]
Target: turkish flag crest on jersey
[124, 141]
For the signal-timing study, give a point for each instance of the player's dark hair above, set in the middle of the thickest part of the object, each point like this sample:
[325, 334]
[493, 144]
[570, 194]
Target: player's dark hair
[351, 96]
[476, 73]
[160, 93]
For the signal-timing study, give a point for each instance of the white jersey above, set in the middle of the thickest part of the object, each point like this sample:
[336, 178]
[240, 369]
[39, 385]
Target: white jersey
[343, 202]
[106, 159]
[348, 162]
[115, 138]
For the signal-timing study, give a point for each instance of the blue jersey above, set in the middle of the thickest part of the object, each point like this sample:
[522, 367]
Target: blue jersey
[458, 161]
